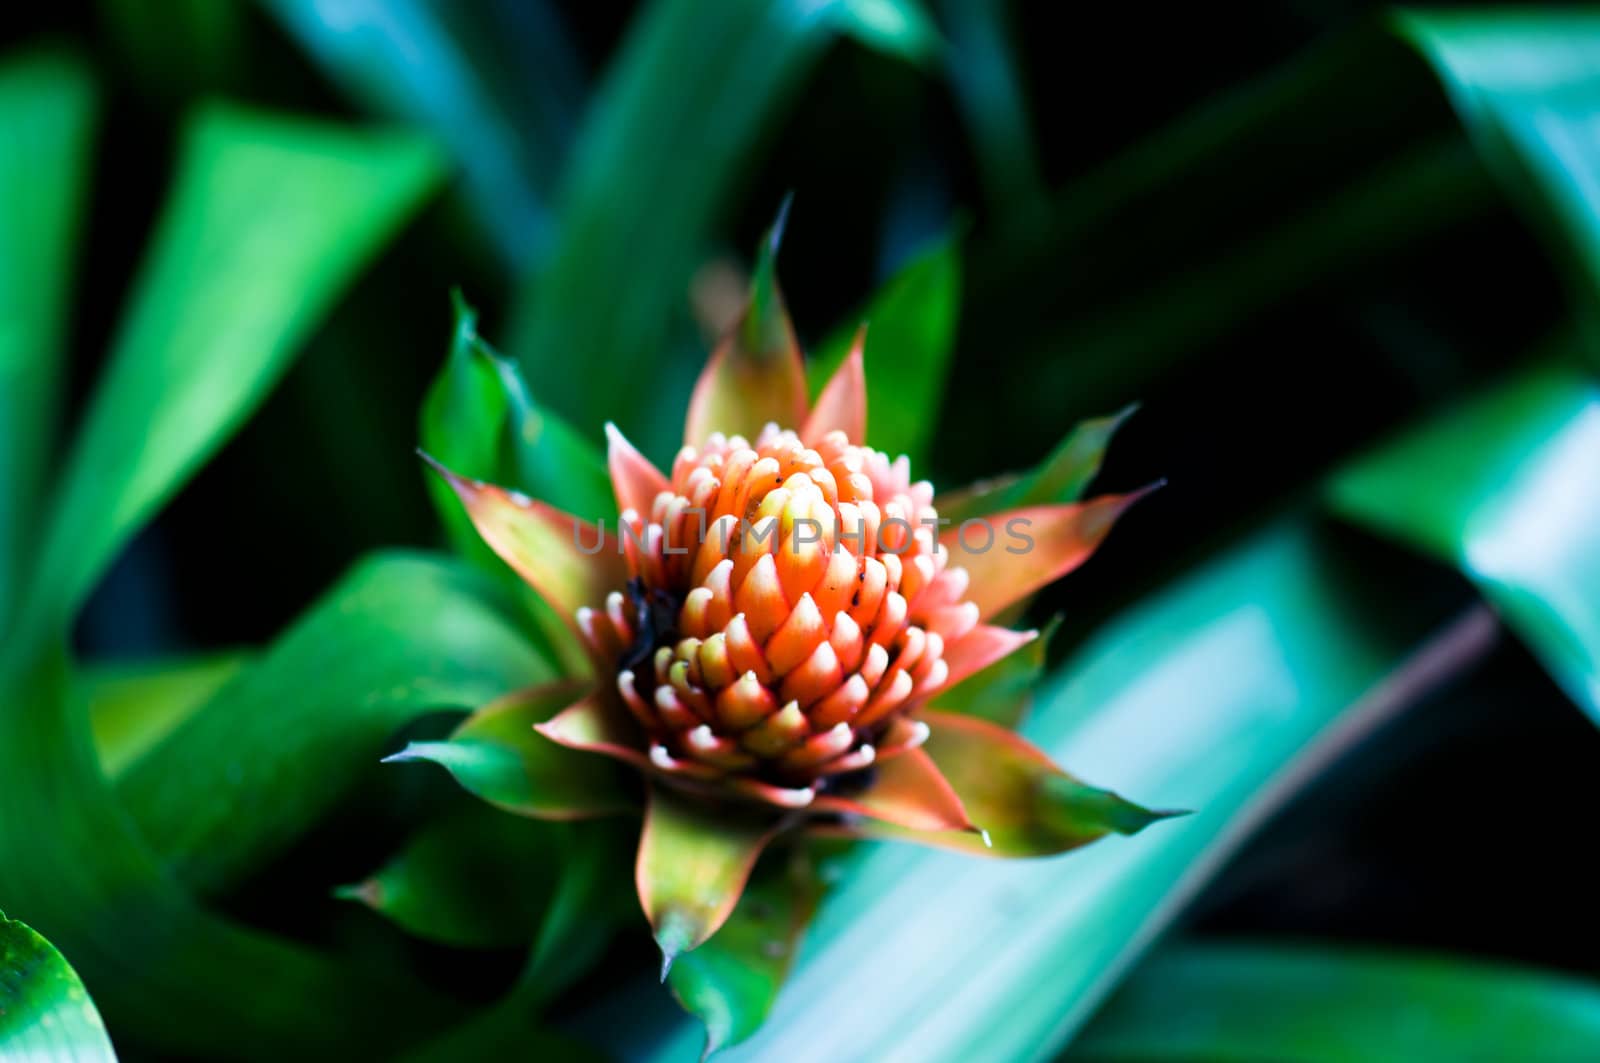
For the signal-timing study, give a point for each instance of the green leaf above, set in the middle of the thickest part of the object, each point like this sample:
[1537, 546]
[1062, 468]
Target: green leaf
[1002, 692]
[1061, 477]
[894, 27]
[1203, 696]
[443, 67]
[45, 1012]
[479, 419]
[47, 110]
[475, 879]
[274, 748]
[70, 858]
[694, 859]
[1322, 1003]
[497, 755]
[911, 332]
[731, 981]
[1505, 486]
[637, 213]
[268, 222]
[132, 707]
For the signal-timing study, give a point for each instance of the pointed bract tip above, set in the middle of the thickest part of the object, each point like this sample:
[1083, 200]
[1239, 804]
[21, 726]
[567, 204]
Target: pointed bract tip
[666, 962]
[436, 465]
[409, 753]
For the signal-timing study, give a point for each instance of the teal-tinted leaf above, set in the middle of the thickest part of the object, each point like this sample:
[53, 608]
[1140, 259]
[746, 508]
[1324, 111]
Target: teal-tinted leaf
[269, 220]
[911, 331]
[479, 419]
[497, 755]
[1526, 85]
[1061, 477]
[1320, 1004]
[475, 879]
[1507, 486]
[986, 74]
[1002, 692]
[46, 117]
[731, 982]
[895, 27]
[1201, 698]
[46, 1015]
[132, 707]
[637, 212]
[498, 85]
[275, 747]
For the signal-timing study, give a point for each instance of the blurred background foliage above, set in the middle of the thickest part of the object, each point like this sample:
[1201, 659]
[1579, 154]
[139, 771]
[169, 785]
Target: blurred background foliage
[1346, 260]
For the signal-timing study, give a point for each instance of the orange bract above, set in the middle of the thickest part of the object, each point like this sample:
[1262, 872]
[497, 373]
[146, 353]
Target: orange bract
[787, 605]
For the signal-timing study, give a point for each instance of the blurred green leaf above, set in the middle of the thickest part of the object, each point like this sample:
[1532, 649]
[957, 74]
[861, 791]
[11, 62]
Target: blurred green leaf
[1526, 84]
[269, 221]
[476, 879]
[673, 130]
[1320, 1004]
[911, 331]
[45, 1013]
[497, 755]
[985, 73]
[47, 110]
[497, 84]
[133, 706]
[731, 981]
[1213, 695]
[71, 859]
[273, 749]
[1507, 486]
[895, 27]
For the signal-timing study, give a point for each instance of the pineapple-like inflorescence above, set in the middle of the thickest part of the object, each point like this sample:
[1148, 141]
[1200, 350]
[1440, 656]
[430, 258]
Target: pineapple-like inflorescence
[786, 607]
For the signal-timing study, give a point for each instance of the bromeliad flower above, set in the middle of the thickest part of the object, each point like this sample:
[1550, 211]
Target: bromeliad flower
[772, 625]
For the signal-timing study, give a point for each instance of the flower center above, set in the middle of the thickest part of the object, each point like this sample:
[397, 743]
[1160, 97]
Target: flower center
[787, 610]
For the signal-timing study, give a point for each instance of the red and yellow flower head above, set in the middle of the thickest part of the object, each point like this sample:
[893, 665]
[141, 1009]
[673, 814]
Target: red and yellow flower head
[771, 625]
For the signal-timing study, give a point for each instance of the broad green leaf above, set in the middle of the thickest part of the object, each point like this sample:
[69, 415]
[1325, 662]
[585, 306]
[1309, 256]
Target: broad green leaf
[1063, 476]
[46, 1015]
[1324, 1003]
[70, 858]
[497, 755]
[1208, 696]
[1507, 486]
[911, 332]
[637, 211]
[274, 748]
[133, 706]
[47, 109]
[475, 879]
[694, 860]
[1002, 692]
[731, 982]
[269, 220]
[499, 87]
